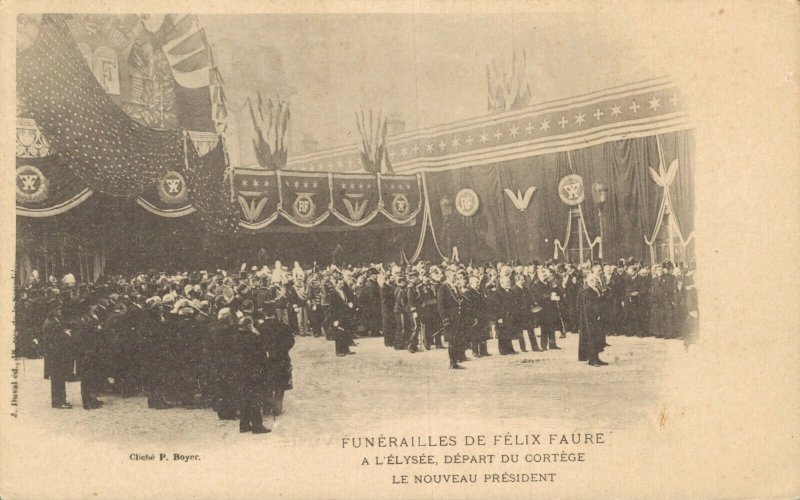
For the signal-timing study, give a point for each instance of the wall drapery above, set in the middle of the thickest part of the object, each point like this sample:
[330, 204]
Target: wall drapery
[501, 230]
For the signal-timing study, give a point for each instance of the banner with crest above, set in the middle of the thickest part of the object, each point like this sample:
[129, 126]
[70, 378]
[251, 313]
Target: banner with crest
[305, 197]
[356, 198]
[401, 196]
[256, 192]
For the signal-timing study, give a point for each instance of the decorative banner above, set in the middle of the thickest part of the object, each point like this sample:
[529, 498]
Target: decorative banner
[356, 198]
[94, 138]
[45, 187]
[401, 197]
[305, 197]
[638, 109]
[570, 189]
[256, 192]
[467, 202]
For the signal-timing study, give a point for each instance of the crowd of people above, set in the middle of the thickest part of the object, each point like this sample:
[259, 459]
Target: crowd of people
[222, 340]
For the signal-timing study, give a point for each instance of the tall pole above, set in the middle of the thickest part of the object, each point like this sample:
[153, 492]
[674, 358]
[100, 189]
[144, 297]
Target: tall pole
[600, 214]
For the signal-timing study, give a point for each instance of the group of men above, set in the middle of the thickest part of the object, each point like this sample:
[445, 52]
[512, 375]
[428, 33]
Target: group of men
[182, 340]
[223, 340]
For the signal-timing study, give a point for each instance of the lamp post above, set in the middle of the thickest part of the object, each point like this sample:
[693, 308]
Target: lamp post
[600, 196]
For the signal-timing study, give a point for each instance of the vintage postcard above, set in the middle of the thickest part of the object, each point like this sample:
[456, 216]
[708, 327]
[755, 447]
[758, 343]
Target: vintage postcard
[400, 249]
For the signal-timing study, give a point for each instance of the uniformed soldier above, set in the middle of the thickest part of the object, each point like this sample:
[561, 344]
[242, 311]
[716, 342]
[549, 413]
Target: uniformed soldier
[448, 302]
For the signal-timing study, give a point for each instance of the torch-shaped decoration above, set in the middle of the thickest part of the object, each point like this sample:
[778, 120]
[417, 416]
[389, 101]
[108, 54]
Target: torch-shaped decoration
[600, 196]
[373, 148]
[508, 90]
[270, 124]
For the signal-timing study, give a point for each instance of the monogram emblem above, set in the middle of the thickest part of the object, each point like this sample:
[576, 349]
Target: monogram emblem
[570, 189]
[303, 206]
[32, 185]
[172, 188]
[467, 202]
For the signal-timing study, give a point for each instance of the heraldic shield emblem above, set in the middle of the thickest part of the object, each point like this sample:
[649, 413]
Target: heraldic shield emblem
[32, 185]
[467, 202]
[172, 188]
[570, 189]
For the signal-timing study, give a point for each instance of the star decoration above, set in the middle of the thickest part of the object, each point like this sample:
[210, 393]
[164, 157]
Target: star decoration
[442, 145]
[598, 114]
[469, 140]
[580, 118]
[634, 107]
[513, 131]
[344, 185]
[360, 185]
[305, 184]
[616, 110]
[563, 122]
[403, 151]
[349, 162]
[529, 128]
[429, 147]
[296, 184]
[655, 103]
[244, 182]
[545, 124]
[497, 135]
[674, 99]
[415, 149]
[455, 142]
[256, 183]
[340, 164]
[484, 137]
[391, 153]
[314, 184]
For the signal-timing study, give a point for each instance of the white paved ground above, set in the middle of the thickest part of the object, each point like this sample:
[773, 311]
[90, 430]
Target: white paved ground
[380, 387]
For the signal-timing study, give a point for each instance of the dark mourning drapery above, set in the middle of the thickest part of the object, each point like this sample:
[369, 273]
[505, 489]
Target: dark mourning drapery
[500, 231]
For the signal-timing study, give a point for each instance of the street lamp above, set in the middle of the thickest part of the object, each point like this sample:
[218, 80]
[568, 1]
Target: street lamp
[600, 196]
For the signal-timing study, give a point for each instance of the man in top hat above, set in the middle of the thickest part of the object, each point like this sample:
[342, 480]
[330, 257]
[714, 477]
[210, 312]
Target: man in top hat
[370, 302]
[342, 310]
[503, 307]
[251, 364]
[276, 341]
[448, 301]
[89, 342]
[58, 360]
[590, 342]
[224, 357]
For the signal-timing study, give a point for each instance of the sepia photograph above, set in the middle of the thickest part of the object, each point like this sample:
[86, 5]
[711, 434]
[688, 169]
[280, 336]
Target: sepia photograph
[396, 253]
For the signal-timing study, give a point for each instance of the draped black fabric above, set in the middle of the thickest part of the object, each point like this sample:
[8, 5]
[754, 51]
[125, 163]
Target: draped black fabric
[208, 191]
[93, 137]
[501, 230]
[680, 146]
